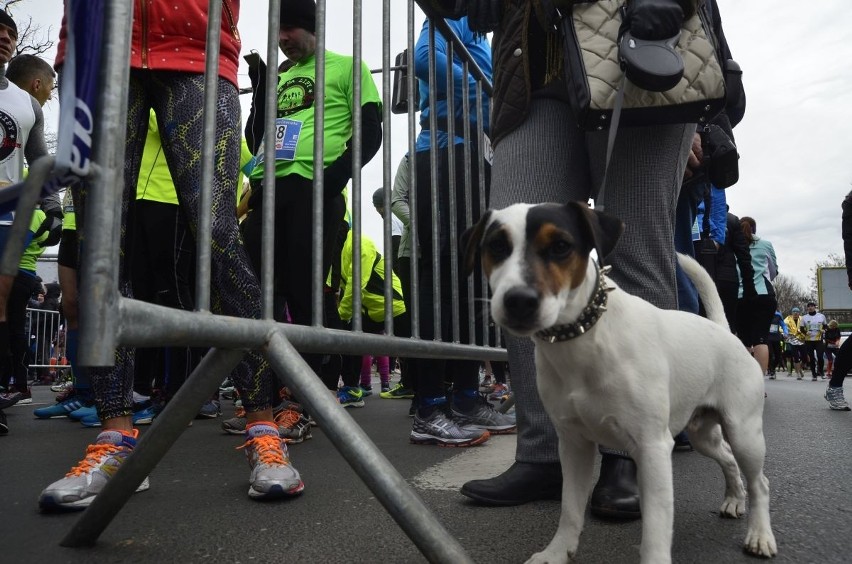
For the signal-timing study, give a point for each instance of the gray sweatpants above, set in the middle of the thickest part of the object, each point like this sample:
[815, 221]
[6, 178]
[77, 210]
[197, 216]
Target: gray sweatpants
[548, 159]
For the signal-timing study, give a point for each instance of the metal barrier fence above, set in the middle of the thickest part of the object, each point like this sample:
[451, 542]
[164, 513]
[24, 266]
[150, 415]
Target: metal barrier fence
[108, 320]
[46, 329]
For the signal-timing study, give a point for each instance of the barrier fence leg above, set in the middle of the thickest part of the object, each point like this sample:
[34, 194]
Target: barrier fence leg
[390, 488]
[167, 428]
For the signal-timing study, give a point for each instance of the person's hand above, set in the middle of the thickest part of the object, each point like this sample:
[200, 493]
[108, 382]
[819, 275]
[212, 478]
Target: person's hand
[693, 162]
[749, 291]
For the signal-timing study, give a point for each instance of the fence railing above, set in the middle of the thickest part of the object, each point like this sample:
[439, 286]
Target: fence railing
[46, 330]
[108, 320]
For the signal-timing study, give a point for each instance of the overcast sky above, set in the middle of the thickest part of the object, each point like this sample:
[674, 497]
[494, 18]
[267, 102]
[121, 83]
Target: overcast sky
[794, 141]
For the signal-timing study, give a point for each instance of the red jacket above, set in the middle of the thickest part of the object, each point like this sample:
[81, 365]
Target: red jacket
[171, 35]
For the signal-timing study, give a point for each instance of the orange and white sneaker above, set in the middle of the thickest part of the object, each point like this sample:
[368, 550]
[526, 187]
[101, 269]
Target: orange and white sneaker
[272, 474]
[78, 488]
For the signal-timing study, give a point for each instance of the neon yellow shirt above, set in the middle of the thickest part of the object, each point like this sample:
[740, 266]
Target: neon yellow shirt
[294, 131]
[155, 180]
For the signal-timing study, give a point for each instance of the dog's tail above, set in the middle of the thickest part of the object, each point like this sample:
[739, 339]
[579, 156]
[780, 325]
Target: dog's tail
[706, 289]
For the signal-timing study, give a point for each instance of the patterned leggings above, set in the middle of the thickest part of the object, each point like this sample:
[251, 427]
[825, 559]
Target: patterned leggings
[177, 99]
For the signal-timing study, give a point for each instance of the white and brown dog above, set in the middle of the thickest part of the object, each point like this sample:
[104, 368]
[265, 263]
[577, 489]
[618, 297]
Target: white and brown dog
[613, 369]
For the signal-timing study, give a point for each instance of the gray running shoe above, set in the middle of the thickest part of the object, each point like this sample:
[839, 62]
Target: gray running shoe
[835, 399]
[438, 429]
[235, 425]
[484, 416]
[272, 475]
[79, 487]
[293, 426]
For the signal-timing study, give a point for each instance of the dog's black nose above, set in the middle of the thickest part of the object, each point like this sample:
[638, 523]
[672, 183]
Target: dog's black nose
[521, 302]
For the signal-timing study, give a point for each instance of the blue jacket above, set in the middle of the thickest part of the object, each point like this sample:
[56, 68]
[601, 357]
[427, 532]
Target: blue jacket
[480, 50]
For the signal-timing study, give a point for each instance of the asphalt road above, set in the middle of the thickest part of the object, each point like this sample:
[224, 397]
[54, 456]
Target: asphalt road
[197, 509]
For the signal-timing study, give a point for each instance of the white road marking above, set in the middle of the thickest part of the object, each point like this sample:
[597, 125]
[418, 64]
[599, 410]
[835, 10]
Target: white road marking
[473, 463]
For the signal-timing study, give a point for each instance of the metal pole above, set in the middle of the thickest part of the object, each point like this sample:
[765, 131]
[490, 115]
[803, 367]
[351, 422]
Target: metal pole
[267, 245]
[203, 238]
[99, 323]
[390, 488]
[317, 274]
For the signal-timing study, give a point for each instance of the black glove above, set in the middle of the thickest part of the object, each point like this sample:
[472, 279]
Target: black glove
[749, 290]
[654, 19]
[484, 16]
[52, 206]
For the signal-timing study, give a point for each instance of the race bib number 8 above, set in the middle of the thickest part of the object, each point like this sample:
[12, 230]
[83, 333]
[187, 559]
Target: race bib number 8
[287, 133]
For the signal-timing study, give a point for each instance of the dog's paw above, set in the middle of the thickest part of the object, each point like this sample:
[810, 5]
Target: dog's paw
[548, 557]
[760, 543]
[732, 508]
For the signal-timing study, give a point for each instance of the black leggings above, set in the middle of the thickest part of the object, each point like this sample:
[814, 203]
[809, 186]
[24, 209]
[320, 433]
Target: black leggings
[814, 350]
[433, 373]
[774, 355]
[842, 364]
[177, 99]
[294, 227]
[162, 255]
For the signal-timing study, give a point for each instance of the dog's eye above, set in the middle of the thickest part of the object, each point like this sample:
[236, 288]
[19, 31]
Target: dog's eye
[498, 248]
[560, 249]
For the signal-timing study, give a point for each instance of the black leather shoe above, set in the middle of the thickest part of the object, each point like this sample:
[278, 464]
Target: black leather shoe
[521, 483]
[616, 495]
[681, 441]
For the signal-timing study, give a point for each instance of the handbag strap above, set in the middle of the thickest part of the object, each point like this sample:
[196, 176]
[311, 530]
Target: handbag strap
[610, 140]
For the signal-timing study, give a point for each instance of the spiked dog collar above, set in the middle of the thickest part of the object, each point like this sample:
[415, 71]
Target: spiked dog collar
[588, 317]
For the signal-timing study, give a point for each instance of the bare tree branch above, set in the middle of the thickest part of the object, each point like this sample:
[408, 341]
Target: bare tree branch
[32, 38]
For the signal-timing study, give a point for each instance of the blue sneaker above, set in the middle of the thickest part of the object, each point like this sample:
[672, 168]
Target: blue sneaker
[87, 411]
[145, 416]
[350, 396]
[91, 420]
[140, 417]
[210, 410]
[63, 408]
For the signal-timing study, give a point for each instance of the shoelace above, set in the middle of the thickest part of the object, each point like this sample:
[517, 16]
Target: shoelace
[287, 418]
[268, 448]
[94, 456]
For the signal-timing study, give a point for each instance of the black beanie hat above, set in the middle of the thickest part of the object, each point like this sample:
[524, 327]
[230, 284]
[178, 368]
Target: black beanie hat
[379, 198]
[7, 20]
[299, 13]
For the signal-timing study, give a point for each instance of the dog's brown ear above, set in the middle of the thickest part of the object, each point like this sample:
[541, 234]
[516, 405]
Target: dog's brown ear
[470, 240]
[603, 229]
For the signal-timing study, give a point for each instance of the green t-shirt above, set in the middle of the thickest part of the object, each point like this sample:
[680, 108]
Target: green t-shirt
[155, 180]
[34, 249]
[294, 128]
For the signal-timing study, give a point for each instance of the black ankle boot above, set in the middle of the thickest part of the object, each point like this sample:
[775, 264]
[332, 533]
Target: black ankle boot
[616, 495]
[521, 483]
